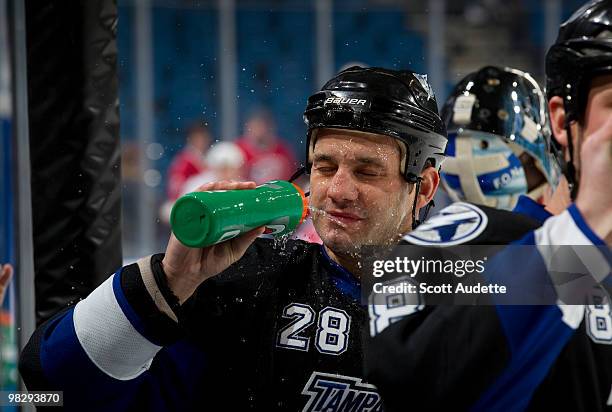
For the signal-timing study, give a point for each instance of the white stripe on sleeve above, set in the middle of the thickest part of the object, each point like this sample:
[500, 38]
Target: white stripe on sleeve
[108, 337]
[561, 230]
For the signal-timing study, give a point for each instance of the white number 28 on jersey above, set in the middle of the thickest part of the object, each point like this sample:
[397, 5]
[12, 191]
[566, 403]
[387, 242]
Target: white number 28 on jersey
[332, 332]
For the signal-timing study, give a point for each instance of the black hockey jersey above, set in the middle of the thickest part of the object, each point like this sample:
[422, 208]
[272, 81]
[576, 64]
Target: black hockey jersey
[495, 357]
[280, 330]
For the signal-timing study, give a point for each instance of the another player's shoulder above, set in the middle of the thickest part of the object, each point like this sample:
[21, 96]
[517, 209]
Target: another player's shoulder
[464, 223]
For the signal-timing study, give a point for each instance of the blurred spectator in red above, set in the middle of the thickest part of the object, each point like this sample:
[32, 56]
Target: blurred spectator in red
[6, 271]
[224, 161]
[266, 156]
[189, 161]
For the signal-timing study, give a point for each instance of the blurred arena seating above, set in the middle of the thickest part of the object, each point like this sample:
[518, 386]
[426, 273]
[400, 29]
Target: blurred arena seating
[275, 62]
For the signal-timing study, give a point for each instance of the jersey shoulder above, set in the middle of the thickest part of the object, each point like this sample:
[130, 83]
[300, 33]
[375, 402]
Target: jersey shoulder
[247, 287]
[463, 223]
[264, 261]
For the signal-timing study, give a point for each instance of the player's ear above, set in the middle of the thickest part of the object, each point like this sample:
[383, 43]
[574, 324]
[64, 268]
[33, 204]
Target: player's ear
[429, 185]
[557, 120]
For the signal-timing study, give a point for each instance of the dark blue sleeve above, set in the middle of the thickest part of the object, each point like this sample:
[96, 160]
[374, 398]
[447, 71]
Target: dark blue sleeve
[56, 359]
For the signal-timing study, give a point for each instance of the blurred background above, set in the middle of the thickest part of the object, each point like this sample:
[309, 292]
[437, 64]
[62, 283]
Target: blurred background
[221, 63]
[110, 110]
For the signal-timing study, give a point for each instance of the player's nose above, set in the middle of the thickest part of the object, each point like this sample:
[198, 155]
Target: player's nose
[342, 187]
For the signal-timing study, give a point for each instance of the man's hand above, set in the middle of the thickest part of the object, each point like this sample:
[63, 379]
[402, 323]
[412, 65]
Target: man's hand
[558, 199]
[594, 194]
[6, 272]
[186, 268]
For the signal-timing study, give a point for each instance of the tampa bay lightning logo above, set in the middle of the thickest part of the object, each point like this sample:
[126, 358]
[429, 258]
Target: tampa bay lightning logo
[454, 225]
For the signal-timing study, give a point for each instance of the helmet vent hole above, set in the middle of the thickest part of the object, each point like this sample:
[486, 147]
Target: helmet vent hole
[484, 145]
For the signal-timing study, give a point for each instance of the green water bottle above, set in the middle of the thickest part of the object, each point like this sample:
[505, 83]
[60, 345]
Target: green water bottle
[201, 219]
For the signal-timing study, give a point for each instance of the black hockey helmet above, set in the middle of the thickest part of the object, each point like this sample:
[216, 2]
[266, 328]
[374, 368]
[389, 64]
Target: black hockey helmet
[395, 103]
[582, 51]
[497, 100]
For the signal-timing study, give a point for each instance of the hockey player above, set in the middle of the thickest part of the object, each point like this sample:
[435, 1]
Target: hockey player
[247, 324]
[498, 157]
[523, 357]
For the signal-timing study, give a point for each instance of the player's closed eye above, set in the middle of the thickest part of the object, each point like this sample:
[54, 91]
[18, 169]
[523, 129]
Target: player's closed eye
[325, 169]
[370, 173]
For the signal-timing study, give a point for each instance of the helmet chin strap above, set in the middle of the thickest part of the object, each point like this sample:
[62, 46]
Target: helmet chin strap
[569, 170]
[299, 172]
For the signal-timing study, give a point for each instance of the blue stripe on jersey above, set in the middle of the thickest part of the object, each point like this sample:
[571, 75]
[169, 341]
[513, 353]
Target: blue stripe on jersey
[583, 226]
[172, 383]
[342, 279]
[59, 343]
[536, 335]
[80, 378]
[588, 232]
[528, 206]
[523, 271]
[128, 311]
